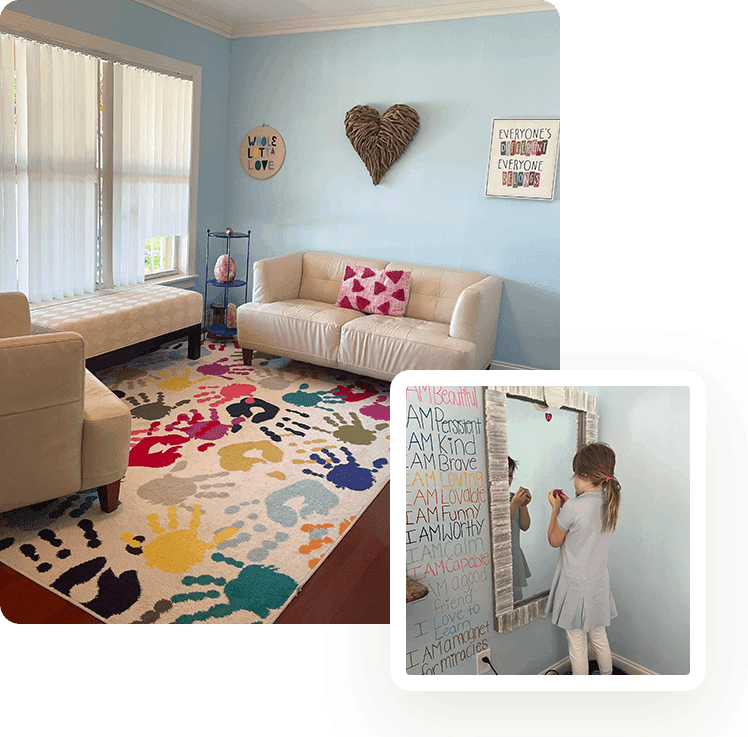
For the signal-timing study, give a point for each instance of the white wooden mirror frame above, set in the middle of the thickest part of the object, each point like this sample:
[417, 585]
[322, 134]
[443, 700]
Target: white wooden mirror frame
[506, 616]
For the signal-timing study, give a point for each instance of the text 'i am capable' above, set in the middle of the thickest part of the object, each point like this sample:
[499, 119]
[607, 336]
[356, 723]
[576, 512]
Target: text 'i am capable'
[446, 532]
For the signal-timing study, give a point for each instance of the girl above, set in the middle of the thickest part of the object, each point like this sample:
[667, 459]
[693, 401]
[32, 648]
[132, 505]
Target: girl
[519, 519]
[580, 600]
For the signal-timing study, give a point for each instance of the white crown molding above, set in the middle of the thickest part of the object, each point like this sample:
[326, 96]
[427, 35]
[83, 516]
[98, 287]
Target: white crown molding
[225, 26]
[452, 11]
[195, 14]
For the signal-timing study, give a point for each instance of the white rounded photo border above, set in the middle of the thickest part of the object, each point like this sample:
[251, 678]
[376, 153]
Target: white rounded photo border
[398, 564]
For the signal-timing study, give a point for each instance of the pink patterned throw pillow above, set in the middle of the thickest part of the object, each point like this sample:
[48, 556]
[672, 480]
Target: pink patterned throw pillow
[376, 291]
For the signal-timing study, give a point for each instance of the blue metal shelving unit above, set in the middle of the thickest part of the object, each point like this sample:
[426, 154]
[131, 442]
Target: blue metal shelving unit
[222, 330]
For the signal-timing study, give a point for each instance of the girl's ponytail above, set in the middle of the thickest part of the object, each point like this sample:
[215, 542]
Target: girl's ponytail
[597, 462]
[612, 502]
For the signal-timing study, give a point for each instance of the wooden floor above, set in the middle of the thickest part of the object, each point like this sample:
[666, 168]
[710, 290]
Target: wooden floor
[351, 585]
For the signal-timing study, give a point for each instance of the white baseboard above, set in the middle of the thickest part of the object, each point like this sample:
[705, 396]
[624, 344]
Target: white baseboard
[501, 366]
[633, 669]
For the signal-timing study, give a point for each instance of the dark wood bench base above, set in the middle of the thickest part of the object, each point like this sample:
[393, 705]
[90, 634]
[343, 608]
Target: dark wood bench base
[247, 356]
[194, 335]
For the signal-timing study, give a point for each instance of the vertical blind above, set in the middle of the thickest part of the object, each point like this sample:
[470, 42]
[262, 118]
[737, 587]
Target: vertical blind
[51, 240]
[50, 179]
[151, 164]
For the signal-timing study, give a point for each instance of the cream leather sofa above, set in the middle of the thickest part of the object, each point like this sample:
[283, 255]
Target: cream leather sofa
[61, 430]
[450, 321]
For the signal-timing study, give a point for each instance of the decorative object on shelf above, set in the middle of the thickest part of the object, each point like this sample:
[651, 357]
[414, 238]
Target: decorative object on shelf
[523, 158]
[225, 268]
[218, 317]
[225, 278]
[380, 141]
[262, 152]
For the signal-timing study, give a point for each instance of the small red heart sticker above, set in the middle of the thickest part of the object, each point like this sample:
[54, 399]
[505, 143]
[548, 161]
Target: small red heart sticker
[548, 416]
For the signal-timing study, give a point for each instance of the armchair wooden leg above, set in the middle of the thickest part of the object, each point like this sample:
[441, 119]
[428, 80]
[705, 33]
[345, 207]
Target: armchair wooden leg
[109, 496]
[247, 356]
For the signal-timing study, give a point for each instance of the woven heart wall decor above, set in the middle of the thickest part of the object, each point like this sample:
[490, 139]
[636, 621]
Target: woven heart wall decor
[380, 141]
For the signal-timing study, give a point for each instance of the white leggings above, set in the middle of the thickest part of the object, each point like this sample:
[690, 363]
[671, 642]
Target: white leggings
[578, 651]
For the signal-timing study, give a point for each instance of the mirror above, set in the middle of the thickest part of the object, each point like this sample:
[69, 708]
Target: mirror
[542, 441]
[540, 428]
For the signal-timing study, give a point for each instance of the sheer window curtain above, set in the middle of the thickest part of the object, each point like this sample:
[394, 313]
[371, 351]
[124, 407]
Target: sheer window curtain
[80, 193]
[151, 166]
[8, 224]
[49, 135]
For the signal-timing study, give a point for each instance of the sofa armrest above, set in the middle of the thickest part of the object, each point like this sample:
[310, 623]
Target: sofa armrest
[476, 316]
[15, 318]
[278, 278]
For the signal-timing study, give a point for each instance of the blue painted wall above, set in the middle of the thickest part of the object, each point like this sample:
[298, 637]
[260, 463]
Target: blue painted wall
[649, 429]
[136, 25]
[431, 206]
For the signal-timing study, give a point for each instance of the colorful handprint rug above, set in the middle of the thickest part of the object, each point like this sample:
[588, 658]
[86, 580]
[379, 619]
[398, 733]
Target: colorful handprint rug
[241, 480]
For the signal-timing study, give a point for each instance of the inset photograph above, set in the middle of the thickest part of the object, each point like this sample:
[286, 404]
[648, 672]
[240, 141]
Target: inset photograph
[549, 529]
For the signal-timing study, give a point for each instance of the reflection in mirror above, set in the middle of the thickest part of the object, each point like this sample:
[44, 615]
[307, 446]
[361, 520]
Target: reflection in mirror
[542, 441]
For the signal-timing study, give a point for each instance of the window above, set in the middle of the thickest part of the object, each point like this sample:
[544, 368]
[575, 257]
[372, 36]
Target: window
[97, 187]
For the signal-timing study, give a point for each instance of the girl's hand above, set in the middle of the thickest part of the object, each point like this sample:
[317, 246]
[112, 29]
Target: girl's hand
[557, 501]
[524, 496]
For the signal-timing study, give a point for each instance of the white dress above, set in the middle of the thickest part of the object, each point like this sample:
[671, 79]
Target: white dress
[580, 596]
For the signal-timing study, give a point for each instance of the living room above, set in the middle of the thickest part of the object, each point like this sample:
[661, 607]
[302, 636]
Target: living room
[430, 208]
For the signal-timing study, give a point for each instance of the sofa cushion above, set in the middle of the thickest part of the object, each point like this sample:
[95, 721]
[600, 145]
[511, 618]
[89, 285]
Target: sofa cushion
[322, 274]
[374, 291]
[434, 291]
[385, 345]
[298, 328]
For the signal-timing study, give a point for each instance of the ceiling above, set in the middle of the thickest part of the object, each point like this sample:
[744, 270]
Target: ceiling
[245, 18]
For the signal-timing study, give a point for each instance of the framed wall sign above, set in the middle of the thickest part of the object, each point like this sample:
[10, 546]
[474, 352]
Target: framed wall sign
[523, 158]
[262, 152]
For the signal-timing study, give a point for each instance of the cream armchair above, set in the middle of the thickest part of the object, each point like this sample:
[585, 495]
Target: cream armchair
[61, 430]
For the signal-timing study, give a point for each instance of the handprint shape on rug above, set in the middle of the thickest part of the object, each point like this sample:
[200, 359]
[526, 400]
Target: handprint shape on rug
[178, 549]
[251, 529]
[256, 589]
[170, 489]
[145, 408]
[113, 593]
[303, 398]
[37, 516]
[348, 475]
[319, 536]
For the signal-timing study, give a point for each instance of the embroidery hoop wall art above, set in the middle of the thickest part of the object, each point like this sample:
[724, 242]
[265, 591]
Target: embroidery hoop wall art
[262, 152]
[523, 158]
